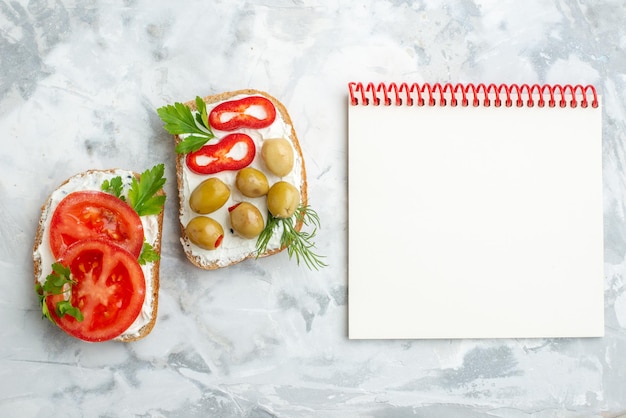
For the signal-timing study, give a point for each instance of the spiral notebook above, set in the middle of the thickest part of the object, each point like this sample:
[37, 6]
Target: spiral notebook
[475, 211]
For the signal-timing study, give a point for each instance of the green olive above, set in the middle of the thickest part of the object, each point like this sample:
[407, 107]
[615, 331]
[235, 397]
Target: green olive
[209, 196]
[246, 220]
[283, 199]
[278, 156]
[205, 232]
[252, 182]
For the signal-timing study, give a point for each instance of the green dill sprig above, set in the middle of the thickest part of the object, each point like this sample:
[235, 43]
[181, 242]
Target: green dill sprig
[299, 244]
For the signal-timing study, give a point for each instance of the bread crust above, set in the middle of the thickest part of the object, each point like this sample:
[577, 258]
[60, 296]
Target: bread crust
[180, 162]
[155, 270]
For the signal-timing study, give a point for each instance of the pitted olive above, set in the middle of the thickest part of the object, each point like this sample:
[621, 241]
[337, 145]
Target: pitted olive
[278, 156]
[209, 196]
[283, 199]
[205, 232]
[251, 182]
[246, 220]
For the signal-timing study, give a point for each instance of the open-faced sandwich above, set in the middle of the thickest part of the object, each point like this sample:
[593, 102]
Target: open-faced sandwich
[241, 178]
[97, 254]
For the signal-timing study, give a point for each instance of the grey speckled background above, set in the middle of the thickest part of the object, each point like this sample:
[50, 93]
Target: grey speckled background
[79, 85]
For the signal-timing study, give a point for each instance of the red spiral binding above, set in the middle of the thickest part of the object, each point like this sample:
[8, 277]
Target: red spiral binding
[415, 94]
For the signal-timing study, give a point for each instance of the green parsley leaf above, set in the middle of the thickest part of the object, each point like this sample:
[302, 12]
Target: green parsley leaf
[202, 117]
[114, 187]
[148, 254]
[56, 283]
[179, 120]
[190, 144]
[45, 313]
[65, 308]
[142, 195]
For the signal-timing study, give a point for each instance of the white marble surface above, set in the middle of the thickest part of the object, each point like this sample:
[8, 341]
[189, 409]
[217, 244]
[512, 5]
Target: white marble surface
[79, 84]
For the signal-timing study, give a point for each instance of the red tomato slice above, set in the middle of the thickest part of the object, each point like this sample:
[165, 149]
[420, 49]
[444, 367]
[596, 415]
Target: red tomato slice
[90, 214]
[109, 291]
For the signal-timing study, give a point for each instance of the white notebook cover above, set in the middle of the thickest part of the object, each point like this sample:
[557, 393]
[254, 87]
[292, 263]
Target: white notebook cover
[475, 222]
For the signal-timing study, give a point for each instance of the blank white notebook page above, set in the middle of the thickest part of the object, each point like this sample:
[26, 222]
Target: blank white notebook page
[475, 222]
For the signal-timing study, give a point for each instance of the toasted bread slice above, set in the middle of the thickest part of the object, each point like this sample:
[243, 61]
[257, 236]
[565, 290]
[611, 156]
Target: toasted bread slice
[152, 224]
[234, 248]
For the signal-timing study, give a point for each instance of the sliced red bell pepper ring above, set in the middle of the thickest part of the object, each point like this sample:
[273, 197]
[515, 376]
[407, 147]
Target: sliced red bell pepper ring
[243, 113]
[233, 152]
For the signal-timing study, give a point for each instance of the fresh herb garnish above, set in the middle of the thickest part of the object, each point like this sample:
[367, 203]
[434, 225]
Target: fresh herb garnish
[298, 243]
[202, 116]
[148, 254]
[179, 120]
[66, 307]
[114, 187]
[143, 196]
[57, 282]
